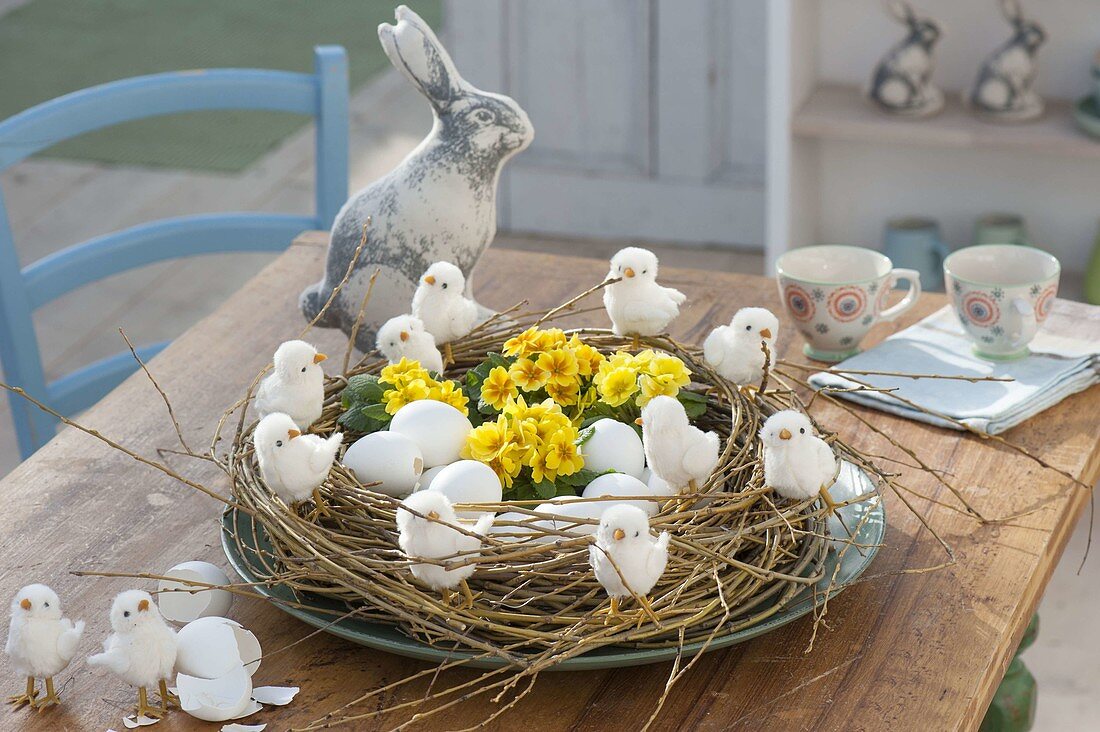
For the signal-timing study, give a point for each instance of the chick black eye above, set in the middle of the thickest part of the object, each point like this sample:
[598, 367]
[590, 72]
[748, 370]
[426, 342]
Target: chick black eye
[444, 285]
[636, 533]
[126, 614]
[643, 271]
[802, 430]
[748, 327]
[45, 604]
[303, 369]
[278, 443]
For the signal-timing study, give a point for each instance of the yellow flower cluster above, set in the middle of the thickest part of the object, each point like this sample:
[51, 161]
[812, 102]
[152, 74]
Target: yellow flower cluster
[544, 359]
[645, 374]
[537, 436]
[412, 383]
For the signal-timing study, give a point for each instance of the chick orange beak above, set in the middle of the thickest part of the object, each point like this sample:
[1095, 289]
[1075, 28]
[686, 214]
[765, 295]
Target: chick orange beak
[638, 421]
[433, 515]
[404, 336]
[319, 357]
[765, 332]
[25, 604]
[629, 272]
[143, 605]
[619, 534]
[291, 434]
[430, 279]
[784, 434]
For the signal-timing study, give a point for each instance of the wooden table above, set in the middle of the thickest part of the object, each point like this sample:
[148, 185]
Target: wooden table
[902, 651]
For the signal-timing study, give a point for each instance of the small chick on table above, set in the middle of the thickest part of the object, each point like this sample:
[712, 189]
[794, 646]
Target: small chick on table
[426, 536]
[294, 465]
[637, 305]
[626, 559]
[441, 304]
[404, 336]
[676, 451]
[296, 386]
[40, 642]
[797, 463]
[734, 350]
[141, 651]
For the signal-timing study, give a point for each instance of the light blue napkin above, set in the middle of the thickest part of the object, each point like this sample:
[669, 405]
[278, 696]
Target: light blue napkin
[1061, 363]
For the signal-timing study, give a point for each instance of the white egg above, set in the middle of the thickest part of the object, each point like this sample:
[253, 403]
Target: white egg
[388, 458]
[469, 481]
[614, 446]
[181, 603]
[215, 700]
[620, 484]
[565, 509]
[210, 648]
[428, 476]
[646, 475]
[658, 486]
[438, 429]
[531, 526]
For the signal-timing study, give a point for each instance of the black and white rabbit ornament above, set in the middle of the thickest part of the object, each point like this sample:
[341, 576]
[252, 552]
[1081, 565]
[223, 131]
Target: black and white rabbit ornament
[1003, 90]
[438, 204]
[902, 80]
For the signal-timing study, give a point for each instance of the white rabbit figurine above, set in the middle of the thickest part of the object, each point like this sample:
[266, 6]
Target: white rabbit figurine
[1003, 90]
[902, 80]
[439, 204]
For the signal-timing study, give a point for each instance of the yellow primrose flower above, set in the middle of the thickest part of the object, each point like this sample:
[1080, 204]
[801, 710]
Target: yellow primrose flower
[497, 388]
[448, 393]
[401, 373]
[412, 391]
[564, 395]
[618, 386]
[653, 386]
[540, 471]
[560, 366]
[643, 359]
[671, 366]
[617, 361]
[551, 338]
[588, 358]
[561, 455]
[527, 375]
[551, 424]
[524, 344]
[507, 464]
[487, 441]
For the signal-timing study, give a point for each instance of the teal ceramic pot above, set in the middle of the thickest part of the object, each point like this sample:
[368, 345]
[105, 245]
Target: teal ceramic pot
[1001, 228]
[916, 243]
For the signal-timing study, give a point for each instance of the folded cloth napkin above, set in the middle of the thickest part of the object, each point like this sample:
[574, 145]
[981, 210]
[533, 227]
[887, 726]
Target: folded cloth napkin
[1061, 363]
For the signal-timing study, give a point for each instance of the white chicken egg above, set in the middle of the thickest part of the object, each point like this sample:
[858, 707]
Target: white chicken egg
[210, 648]
[388, 458]
[567, 509]
[469, 481]
[428, 476]
[181, 602]
[658, 486]
[614, 446]
[438, 429]
[620, 484]
[215, 700]
[539, 527]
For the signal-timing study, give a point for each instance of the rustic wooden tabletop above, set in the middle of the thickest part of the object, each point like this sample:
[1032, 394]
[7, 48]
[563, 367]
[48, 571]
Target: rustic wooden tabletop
[901, 650]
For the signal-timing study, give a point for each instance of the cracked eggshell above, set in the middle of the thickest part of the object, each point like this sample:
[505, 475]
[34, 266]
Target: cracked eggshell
[389, 458]
[215, 700]
[209, 648]
[469, 481]
[428, 476]
[620, 484]
[614, 446]
[438, 429]
[180, 604]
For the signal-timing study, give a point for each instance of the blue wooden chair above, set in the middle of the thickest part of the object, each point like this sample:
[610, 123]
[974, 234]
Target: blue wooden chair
[322, 94]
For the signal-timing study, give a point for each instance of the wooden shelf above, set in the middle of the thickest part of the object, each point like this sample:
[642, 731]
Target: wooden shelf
[839, 112]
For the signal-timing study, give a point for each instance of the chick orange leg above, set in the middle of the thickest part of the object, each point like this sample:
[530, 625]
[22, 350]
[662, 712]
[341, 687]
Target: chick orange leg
[467, 594]
[25, 698]
[319, 506]
[168, 700]
[143, 708]
[446, 596]
[613, 610]
[448, 355]
[685, 503]
[51, 697]
[833, 507]
[637, 345]
[748, 390]
[646, 611]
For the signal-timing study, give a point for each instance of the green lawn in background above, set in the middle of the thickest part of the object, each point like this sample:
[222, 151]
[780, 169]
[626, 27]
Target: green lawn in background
[52, 47]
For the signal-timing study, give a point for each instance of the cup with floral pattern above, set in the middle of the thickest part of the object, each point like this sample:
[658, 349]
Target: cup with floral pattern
[1002, 293]
[835, 293]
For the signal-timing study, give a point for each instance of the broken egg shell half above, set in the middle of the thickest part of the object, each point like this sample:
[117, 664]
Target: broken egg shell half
[613, 445]
[388, 458]
[438, 429]
[210, 648]
[620, 484]
[469, 481]
[181, 603]
[218, 699]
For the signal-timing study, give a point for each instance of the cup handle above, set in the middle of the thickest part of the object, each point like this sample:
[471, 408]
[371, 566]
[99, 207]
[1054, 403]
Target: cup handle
[910, 298]
[1023, 325]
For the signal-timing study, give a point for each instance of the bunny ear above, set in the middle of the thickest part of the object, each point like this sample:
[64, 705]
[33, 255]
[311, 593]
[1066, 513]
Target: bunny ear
[1012, 10]
[903, 11]
[415, 51]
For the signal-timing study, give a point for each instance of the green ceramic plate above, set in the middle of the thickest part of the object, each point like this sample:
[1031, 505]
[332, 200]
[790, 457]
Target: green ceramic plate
[1087, 113]
[852, 482]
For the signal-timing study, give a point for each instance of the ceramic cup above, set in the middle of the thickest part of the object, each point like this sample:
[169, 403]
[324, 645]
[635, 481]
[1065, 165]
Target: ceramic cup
[1001, 228]
[1002, 293]
[836, 293]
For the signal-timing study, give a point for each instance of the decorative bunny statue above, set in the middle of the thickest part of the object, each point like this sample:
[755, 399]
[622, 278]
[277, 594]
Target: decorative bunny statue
[1003, 87]
[438, 204]
[902, 80]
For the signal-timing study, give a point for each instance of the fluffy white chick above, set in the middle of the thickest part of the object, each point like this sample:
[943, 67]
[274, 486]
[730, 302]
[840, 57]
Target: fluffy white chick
[441, 304]
[296, 386]
[292, 464]
[423, 536]
[676, 451]
[404, 336]
[637, 305]
[797, 463]
[40, 642]
[141, 651]
[626, 559]
[734, 350]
